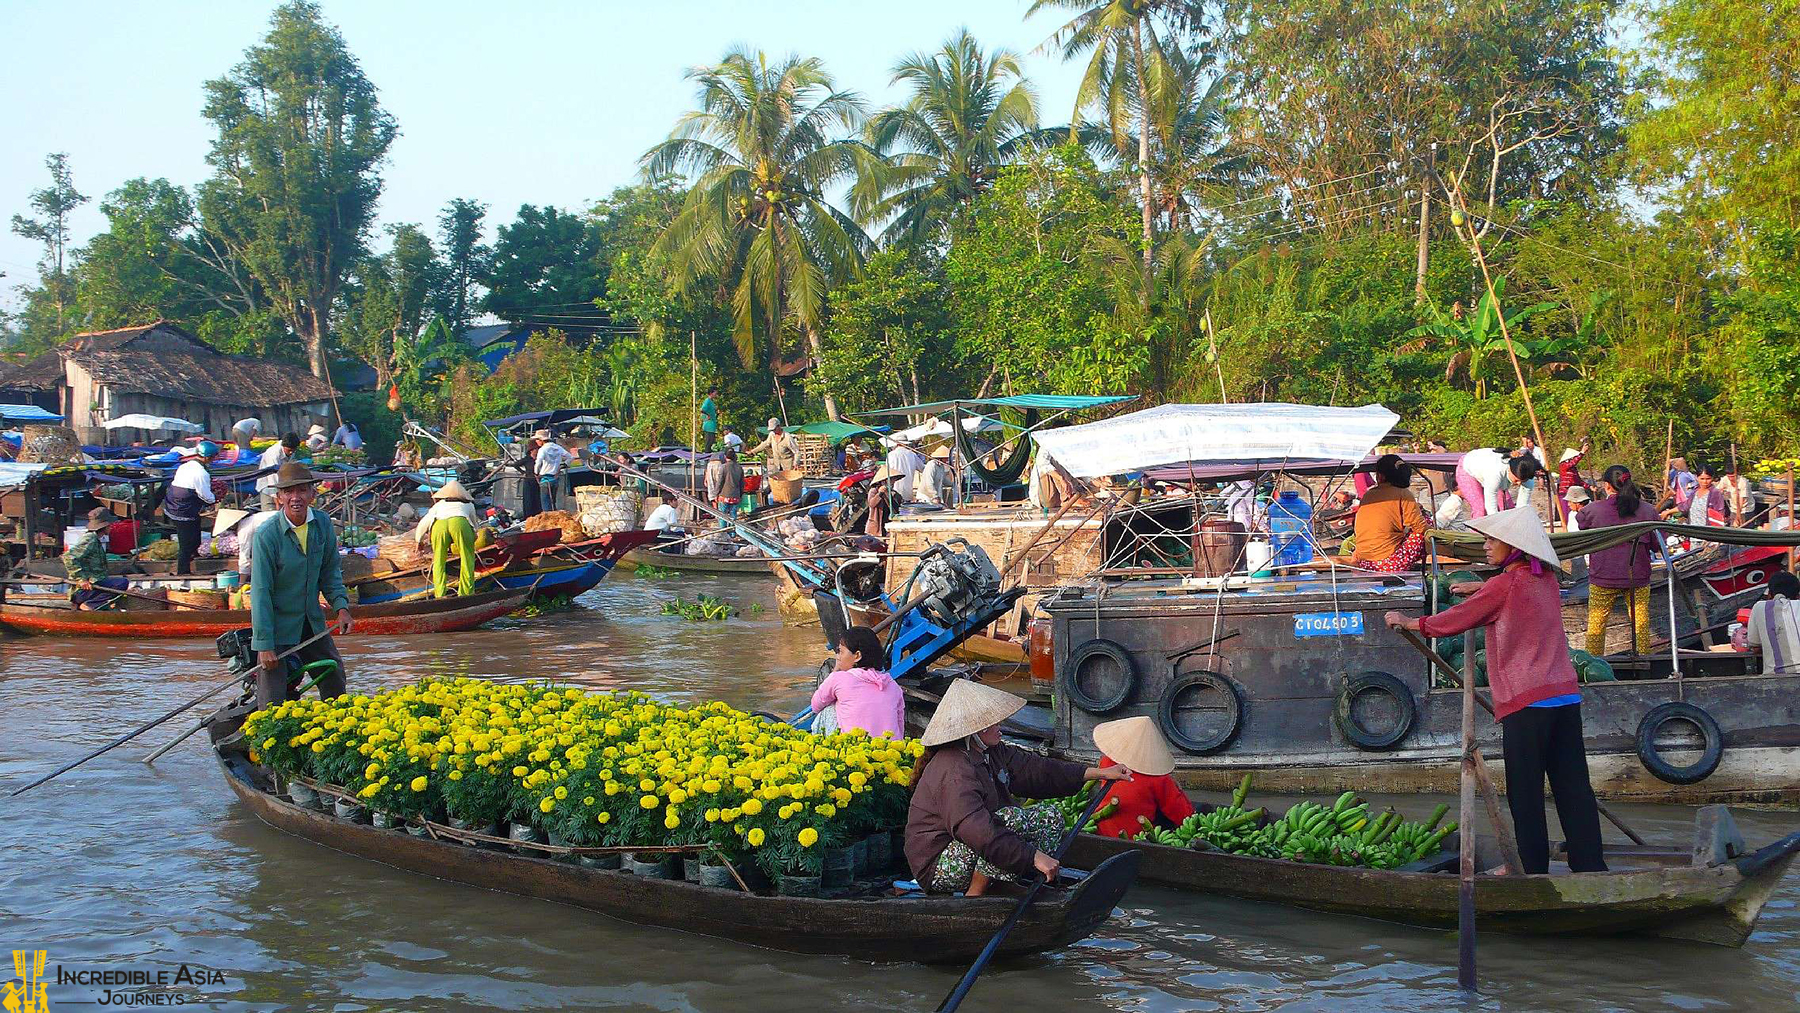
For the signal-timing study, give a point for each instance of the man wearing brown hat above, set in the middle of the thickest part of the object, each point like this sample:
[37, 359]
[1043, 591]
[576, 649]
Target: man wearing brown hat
[86, 565]
[293, 563]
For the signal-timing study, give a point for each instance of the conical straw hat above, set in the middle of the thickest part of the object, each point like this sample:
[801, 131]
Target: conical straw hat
[1136, 743]
[453, 490]
[227, 519]
[1521, 529]
[967, 708]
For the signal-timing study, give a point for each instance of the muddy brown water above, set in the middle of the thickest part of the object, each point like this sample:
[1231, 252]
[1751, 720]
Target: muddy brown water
[119, 866]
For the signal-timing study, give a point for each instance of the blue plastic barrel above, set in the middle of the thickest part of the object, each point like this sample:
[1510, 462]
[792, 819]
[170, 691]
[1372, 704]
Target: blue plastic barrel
[1290, 529]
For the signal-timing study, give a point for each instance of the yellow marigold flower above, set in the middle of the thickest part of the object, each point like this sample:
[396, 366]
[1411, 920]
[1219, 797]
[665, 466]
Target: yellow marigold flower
[646, 785]
[520, 771]
[456, 775]
[418, 783]
[648, 802]
[677, 796]
[546, 804]
[809, 837]
[603, 817]
[561, 793]
[755, 837]
[752, 806]
[671, 821]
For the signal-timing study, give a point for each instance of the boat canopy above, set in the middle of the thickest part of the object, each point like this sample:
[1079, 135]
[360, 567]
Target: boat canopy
[1255, 432]
[834, 431]
[139, 420]
[27, 413]
[1047, 402]
[938, 427]
[549, 418]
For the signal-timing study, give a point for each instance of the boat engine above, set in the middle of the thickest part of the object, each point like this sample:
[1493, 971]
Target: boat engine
[952, 583]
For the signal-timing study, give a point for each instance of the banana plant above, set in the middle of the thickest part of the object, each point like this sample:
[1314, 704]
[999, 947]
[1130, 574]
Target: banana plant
[1477, 337]
[1569, 354]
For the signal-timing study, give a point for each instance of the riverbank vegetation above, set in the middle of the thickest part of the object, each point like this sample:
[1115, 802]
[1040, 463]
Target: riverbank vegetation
[1251, 200]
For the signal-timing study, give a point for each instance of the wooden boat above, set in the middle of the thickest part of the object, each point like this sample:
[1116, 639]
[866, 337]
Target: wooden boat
[1003, 656]
[649, 555]
[868, 926]
[429, 615]
[546, 570]
[1715, 897]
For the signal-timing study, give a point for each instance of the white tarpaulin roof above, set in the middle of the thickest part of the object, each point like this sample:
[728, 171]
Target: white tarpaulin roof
[939, 427]
[1216, 433]
[138, 420]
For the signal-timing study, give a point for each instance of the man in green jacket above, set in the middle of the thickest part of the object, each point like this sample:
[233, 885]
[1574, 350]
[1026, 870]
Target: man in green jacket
[293, 562]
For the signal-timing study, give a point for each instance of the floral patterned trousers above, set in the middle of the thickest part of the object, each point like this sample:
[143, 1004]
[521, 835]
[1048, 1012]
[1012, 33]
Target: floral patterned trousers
[1042, 827]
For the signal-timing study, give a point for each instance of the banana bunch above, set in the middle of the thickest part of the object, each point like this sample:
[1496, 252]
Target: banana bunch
[1072, 806]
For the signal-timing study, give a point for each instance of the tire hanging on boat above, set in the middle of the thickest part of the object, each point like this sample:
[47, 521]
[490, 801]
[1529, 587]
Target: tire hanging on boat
[1011, 468]
[1171, 700]
[1079, 660]
[1354, 731]
[1712, 748]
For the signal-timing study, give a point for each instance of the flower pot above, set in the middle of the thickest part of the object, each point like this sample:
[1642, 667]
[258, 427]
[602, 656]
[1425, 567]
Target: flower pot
[653, 865]
[881, 852]
[489, 829]
[839, 868]
[524, 832]
[607, 861]
[859, 857]
[355, 812]
[302, 795]
[798, 885]
[385, 820]
[418, 830]
[690, 869]
[557, 840]
[717, 875]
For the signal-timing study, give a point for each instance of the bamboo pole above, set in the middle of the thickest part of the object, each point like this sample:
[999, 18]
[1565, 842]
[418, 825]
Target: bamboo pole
[1668, 478]
[1465, 893]
[1490, 800]
[1790, 513]
[693, 408]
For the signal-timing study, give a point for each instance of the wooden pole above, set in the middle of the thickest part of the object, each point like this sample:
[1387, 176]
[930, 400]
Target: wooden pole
[1790, 515]
[1465, 893]
[693, 408]
[1490, 800]
[1668, 479]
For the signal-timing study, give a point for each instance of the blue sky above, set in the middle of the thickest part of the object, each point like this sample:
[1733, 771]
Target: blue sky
[529, 102]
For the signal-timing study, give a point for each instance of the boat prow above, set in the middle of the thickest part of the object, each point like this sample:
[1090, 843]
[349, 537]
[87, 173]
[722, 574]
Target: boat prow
[874, 927]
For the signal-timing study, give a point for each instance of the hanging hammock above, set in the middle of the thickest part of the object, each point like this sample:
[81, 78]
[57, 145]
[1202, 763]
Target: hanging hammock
[1014, 464]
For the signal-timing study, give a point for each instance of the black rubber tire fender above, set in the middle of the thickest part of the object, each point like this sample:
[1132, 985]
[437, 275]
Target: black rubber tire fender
[1344, 714]
[1080, 656]
[1711, 752]
[1171, 698]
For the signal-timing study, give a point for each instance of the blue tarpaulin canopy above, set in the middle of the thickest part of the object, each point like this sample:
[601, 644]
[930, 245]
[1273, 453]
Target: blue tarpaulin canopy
[27, 413]
[550, 418]
[1049, 402]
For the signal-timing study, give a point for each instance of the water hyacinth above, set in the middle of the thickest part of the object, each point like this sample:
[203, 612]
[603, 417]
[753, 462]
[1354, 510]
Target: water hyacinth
[598, 769]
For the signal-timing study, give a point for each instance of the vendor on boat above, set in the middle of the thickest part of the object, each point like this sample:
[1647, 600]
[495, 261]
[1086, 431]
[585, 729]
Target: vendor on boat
[190, 493]
[933, 483]
[1774, 626]
[964, 827]
[1486, 478]
[1621, 574]
[1537, 698]
[551, 461]
[881, 502]
[271, 461]
[1390, 526]
[780, 452]
[295, 563]
[1151, 794]
[450, 525]
[85, 562]
[859, 695]
[725, 482]
[709, 413]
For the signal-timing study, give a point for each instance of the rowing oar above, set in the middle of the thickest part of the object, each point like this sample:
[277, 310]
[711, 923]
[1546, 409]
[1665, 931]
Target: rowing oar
[961, 991]
[184, 736]
[1481, 698]
[123, 591]
[195, 702]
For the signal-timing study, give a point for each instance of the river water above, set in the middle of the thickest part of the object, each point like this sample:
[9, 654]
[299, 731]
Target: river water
[119, 866]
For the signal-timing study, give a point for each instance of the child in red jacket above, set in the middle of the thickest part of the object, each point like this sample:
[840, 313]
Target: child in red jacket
[1136, 745]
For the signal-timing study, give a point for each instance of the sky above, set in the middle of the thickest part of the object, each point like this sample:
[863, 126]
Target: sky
[540, 102]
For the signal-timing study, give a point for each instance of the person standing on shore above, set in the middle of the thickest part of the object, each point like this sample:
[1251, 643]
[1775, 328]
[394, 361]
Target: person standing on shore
[1537, 697]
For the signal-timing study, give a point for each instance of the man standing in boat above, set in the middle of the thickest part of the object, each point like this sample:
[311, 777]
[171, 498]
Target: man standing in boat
[1537, 698]
[294, 562]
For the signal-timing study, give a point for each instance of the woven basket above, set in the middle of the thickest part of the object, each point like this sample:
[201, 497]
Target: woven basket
[785, 486]
[48, 445]
[198, 599]
[130, 603]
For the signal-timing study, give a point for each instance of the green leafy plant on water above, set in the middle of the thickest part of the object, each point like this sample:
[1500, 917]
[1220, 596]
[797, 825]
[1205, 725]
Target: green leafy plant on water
[655, 572]
[704, 608]
[544, 606]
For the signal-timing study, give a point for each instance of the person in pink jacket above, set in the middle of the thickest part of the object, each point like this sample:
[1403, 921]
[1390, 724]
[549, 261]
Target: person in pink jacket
[1537, 698]
[865, 696]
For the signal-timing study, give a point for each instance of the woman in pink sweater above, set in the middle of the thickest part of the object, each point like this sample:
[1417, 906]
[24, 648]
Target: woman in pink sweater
[866, 697]
[1537, 698]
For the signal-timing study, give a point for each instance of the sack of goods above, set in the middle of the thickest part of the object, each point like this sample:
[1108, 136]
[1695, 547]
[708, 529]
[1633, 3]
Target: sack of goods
[400, 550]
[706, 547]
[568, 522]
[608, 513]
[804, 540]
[749, 552]
[795, 527]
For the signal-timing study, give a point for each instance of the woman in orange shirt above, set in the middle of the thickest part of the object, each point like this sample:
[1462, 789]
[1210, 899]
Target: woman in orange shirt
[1390, 527]
[1150, 793]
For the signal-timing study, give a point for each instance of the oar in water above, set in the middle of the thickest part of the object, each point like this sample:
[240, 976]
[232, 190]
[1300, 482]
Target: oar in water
[141, 729]
[961, 991]
[1438, 661]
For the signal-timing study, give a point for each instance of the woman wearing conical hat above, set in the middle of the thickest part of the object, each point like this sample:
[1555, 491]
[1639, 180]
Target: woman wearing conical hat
[964, 826]
[1151, 795]
[1537, 698]
[450, 524]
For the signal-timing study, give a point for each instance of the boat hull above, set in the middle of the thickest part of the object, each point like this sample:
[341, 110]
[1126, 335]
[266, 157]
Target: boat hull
[1716, 904]
[645, 555]
[444, 615]
[927, 930]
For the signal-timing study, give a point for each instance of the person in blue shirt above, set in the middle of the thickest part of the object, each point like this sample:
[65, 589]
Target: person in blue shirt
[709, 426]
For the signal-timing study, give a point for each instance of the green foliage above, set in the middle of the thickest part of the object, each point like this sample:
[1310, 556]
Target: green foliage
[890, 340]
[380, 427]
[1477, 338]
[546, 269]
[53, 204]
[1763, 336]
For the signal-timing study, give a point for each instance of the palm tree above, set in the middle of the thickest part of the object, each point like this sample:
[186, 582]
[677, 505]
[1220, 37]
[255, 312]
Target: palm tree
[756, 219]
[1127, 74]
[969, 114]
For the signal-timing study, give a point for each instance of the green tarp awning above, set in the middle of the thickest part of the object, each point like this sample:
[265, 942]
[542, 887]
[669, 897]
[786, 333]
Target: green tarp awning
[1467, 544]
[1047, 402]
[834, 431]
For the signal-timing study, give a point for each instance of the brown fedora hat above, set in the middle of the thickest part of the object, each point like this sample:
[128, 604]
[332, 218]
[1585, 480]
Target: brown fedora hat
[292, 474]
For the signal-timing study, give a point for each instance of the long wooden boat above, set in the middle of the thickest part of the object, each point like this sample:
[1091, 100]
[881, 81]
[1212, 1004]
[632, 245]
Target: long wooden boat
[870, 926]
[1715, 898]
[649, 555]
[552, 568]
[1004, 656]
[430, 615]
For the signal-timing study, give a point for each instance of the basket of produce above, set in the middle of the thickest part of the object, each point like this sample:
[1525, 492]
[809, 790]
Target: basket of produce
[162, 550]
[145, 600]
[785, 486]
[607, 513]
[568, 522]
[400, 550]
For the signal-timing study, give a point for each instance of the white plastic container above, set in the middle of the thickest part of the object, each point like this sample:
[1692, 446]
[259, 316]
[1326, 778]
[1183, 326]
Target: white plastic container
[1257, 554]
[72, 534]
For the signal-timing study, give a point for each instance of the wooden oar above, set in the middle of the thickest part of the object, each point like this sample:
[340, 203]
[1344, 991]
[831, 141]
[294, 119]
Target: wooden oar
[184, 736]
[1481, 698]
[957, 994]
[141, 729]
[122, 591]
